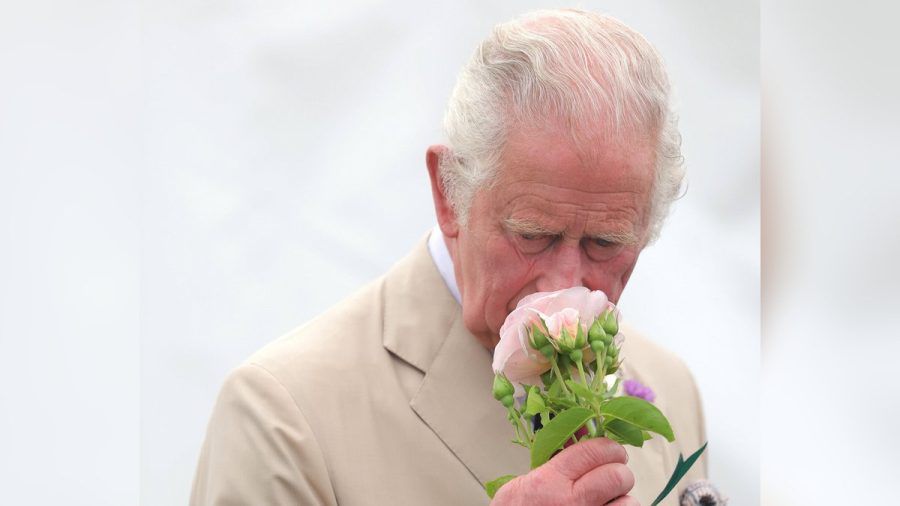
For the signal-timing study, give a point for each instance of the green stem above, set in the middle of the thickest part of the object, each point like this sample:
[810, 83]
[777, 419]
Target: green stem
[580, 367]
[559, 375]
[520, 426]
[591, 424]
[601, 370]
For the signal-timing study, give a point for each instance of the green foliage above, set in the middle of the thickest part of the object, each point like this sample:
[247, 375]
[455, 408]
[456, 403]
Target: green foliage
[534, 403]
[493, 486]
[639, 413]
[681, 468]
[581, 391]
[624, 432]
[576, 395]
[556, 433]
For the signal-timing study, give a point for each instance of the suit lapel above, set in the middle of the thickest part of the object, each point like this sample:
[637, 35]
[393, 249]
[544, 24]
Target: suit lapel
[423, 326]
[456, 402]
[418, 309]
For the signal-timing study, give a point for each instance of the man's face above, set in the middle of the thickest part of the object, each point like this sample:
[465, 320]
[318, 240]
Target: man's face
[561, 214]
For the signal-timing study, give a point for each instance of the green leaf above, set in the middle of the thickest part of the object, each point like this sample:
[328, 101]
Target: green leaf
[640, 413]
[581, 390]
[545, 418]
[555, 389]
[556, 432]
[561, 402]
[647, 435]
[493, 486]
[681, 468]
[625, 432]
[534, 404]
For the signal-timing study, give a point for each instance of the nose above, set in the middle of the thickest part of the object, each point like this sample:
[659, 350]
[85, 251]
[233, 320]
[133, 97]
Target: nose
[565, 269]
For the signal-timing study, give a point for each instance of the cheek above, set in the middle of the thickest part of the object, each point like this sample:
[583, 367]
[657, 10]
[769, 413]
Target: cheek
[511, 274]
[612, 275]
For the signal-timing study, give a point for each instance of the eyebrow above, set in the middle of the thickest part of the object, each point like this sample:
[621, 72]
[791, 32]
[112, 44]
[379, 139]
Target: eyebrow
[519, 226]
[624, 238]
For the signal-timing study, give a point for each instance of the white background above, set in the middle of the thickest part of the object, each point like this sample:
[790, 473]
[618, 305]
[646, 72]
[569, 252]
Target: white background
[285, 148]
[258, 162]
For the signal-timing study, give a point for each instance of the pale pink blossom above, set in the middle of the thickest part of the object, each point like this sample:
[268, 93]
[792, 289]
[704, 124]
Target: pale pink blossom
[565, 319]
[514, 356]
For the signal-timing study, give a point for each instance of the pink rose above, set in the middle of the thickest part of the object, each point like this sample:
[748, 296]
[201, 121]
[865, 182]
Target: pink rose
[514, 357]
[566, 319]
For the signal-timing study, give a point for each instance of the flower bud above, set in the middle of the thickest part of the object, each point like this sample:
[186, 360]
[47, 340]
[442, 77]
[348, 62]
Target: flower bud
[503, 388]
[608, 362]
[598, 347]
[610, 324]
[580, 338]
[566, 342]
[597, 333]
[507, 401]
[576, 356]
[538, 338]
[613, 351]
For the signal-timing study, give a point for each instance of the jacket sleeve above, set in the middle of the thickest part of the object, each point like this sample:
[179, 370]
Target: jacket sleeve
[259, 448]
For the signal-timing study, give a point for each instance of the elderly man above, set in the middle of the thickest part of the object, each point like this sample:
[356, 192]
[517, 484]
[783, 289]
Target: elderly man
[562, 160]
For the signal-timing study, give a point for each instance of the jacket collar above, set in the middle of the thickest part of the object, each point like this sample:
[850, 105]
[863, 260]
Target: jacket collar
[423, 326]
[418, 309]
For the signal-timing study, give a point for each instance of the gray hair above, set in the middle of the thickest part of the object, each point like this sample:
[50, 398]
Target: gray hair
[574, 65]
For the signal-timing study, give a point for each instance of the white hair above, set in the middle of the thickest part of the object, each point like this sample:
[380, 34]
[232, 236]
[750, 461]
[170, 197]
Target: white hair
[580, 67]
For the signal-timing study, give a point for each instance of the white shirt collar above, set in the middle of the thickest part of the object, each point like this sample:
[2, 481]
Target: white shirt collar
[441, 256]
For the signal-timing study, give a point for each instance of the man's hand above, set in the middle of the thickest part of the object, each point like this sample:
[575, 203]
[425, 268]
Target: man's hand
[592, 472]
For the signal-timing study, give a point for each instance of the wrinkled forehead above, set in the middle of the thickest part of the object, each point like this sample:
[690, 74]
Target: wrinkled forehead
[549, 179]
[584, 154]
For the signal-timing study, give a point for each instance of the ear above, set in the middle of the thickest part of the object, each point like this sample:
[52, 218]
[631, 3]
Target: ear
[445, 215]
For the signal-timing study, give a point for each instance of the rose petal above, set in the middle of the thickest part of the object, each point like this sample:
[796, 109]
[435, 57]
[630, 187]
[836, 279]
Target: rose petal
[518, 366]
[567, 319]
[514, 356]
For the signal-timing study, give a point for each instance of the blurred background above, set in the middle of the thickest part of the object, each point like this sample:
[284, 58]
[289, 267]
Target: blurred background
[831, 305]
[183, 182]
[285, 146]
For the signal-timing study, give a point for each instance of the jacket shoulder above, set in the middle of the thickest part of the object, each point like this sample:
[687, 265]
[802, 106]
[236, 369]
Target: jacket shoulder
[646, 357]
[677, 394]
[336, 343]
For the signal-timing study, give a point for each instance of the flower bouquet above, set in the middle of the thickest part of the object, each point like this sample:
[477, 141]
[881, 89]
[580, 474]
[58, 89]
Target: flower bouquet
[555, 370]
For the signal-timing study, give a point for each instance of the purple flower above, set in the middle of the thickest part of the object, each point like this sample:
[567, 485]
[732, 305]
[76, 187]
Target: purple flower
[635, 388]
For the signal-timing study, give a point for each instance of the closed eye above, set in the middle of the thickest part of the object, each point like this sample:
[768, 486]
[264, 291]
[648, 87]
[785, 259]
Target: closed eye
[600, 249]
[535, 243]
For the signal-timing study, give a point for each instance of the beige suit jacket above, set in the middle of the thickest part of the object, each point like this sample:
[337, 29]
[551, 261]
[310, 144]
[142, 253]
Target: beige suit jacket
[386, 400]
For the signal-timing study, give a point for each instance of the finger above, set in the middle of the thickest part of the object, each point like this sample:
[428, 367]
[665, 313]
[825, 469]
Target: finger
[578, 459]
[625, 500]
[604, 483]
